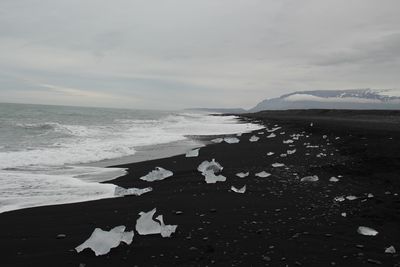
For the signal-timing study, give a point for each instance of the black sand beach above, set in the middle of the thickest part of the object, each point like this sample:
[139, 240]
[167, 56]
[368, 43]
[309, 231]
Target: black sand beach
[278, 221]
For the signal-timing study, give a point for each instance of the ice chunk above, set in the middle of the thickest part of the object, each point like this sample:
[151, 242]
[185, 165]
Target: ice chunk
[254, 138]
[262, 174]
[145, 225]
[166, 230]
[277, 165]
[288, 141]
[273, 129]
[283, 155]
[290, 152]
[390, 250]
[370, 195]
[120, 191]
[363, 230]
[351, 197]
[271, 135]
[210, 166]
[333, 179]
[193, 153]
[231, 140]
[240, 191]
[157, 174]
[101, 242]
[339, 199]
[311, 124]
[270, 153]
[217, 140]
[211, 178]
[344, 214]
[242, 174]
[313, 178]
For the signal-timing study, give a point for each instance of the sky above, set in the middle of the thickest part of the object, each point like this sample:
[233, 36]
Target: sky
[173, 54]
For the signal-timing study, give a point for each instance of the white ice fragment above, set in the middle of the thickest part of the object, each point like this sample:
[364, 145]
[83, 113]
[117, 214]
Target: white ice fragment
[145, 225]
[166, 230]
[101, 242]
[324, 136]
[277, 165]
[192, 153]
[289, 141]
[363, 230]
[273, 129]
[254, 138]
[120, 191]
[351, 197]
[210, 166]
[217, 140]
[270, 153]
[339, 199]
[263, 174]
[242, 174]
[239, 134]
[344, 214]
[370, 195]
[290, 152]
[333, 179]
[311, 124]
[390, 250]
[283, 155]
[211, 178]
[156, 175]
[231, 140]
[313, 178]
[240, 191]
[271, 135]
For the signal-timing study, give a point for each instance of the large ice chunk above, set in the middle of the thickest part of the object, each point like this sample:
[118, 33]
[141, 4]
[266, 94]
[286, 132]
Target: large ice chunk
[210, 166]
[120, 191]
[263, 174]
[193, 153]
[211, 178]
[363, 230]
[145, 225]
[239, 190]
[156, 175]
[101, 242]
[254, 138]
[166, 230]
[242, 174]
[231, 140]
[313, 178]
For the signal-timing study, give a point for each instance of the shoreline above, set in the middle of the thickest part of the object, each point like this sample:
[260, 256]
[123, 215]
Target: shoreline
[277, 221]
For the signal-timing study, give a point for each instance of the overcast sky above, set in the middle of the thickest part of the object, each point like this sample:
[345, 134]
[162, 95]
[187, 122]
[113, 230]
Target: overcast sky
[172, 54]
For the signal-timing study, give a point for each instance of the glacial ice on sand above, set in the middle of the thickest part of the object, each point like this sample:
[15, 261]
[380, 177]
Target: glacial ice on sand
[333, 179]
[217, 140]
[211, 178]
[270, 153]
[351, 198]
[231, 140]
[145, 225]
[277, 165]
[263, 174]
[157, 174]
[120, 191]
[240, 190]
[210, 165]
[193, 153]
[254, 138]
[290, 152]
[313, 178]
[271, 135]
[242, 174]
[390, 250]
[101, 242]
[363, 230]
[289, 141]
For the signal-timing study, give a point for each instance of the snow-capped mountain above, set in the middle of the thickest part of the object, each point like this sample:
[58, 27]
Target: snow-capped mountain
[334, 99]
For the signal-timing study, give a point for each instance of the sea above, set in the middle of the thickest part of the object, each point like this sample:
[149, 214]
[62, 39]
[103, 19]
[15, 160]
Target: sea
[59, 154]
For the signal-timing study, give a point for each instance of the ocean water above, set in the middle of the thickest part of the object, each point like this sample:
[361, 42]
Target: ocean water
[46, 151]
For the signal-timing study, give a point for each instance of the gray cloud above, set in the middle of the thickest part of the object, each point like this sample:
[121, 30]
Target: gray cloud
[175, 54]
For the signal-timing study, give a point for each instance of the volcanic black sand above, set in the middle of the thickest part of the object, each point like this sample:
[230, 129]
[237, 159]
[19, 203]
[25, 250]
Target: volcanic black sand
[278, 221]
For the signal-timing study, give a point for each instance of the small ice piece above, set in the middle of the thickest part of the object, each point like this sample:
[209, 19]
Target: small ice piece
[145, 225]
[242, 174]
[324, 136]
[240, 191]
[390, 250]
[192, 153]
[277, 165]
[271, 135]
[254, 138]
[231, 140]
[313, 178]
[157, 174]
[351, 197]
[101, 242]
[344, 214]
[166, 230]
[120, 191]
[370, 195]
[289, 141]
[274, 129]
[270, 153]
[217, 140]
[239, 134]
[363, 230]
[290, 152]
[339, 199]
[262, 174]
[333, 179]
[283, 155]
[211, 178]
[311, 124]
[210, 166]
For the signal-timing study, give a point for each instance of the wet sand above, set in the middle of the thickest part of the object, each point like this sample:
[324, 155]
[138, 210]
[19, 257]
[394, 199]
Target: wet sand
[278, 221]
